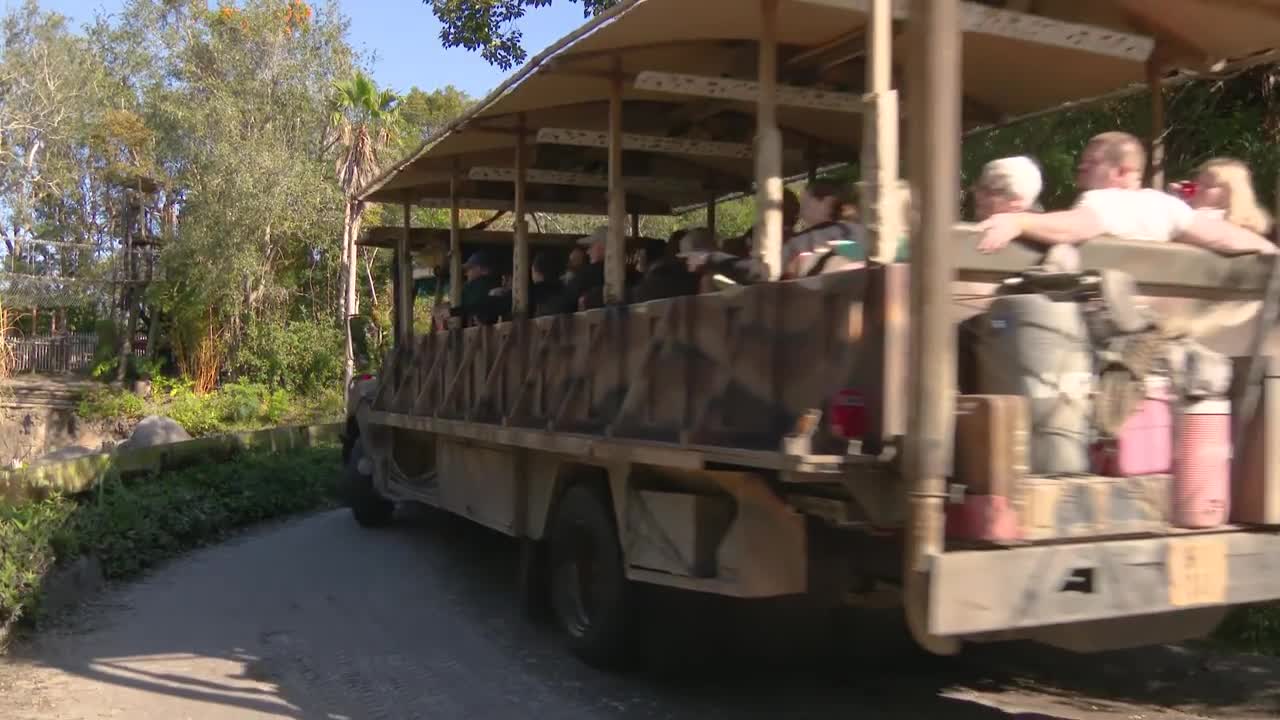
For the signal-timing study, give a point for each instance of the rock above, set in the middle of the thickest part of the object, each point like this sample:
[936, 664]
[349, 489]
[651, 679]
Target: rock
[155, 430]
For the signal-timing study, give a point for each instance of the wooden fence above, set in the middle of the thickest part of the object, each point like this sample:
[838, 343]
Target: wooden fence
[64, 352]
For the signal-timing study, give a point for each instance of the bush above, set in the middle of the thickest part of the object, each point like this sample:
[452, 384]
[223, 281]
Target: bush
[108, 404]
[132, 525]
[298, 356]
[30, 536]
[198, 415]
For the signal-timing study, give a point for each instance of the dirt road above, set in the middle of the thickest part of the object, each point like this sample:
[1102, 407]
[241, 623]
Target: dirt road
[318, 619]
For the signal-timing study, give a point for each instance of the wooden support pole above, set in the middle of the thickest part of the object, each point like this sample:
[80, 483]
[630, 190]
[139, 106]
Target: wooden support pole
[768, 230]
[404, 265]
[615, 255]
[935, 124]
[711, 215]
[520, 256]
[455, 242]
[1155, 163]
[881, 201]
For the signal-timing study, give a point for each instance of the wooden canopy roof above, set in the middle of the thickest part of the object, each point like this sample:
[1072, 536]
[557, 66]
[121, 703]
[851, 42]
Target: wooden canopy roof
[688, 72]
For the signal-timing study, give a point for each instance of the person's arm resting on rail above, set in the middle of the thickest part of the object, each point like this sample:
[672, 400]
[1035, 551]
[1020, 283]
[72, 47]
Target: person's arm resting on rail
[1220, 236]
[1066, 227]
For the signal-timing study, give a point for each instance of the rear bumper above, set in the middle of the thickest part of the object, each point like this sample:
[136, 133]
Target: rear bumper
[994, 591]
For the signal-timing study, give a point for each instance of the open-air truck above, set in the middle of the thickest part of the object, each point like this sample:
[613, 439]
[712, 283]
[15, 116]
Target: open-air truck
[686, 442]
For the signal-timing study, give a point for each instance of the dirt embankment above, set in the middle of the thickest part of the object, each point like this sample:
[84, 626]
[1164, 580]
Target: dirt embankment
[38, 416]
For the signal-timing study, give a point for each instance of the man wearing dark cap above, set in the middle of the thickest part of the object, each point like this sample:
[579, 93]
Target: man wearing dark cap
[478, 305]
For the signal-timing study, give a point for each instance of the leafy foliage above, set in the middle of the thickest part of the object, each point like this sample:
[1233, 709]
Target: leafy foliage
[29, 535]
[105, 403]
[425, 113]
[233, 407]
[130, 526]
[491, 26]
[299, 356]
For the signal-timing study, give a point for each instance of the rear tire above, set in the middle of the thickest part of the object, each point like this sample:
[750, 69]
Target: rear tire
[369, 508]
[589, 588]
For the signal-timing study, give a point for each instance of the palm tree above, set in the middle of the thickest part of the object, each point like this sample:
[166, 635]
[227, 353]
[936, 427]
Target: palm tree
[364, 121]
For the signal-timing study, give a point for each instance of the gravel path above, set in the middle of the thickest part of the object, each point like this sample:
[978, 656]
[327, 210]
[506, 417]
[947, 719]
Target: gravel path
[319, 619]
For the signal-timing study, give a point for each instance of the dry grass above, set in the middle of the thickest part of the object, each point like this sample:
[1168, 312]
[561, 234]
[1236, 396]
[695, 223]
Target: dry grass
[201, 357]
[6, 352]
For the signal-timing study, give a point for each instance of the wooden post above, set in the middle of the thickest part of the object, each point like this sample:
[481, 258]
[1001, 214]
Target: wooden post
[1155, 169]
[455, 241]
[520, 256]
[768, 230]
[615, 255]
[635, 225]
[935, 124]
[711, 214]
[404, 265]
[127, 317]
[881, 203]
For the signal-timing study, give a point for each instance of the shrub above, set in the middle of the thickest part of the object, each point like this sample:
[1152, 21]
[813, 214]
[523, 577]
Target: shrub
[132, 525]
[109, 404]
[30, 535]
[198, 415]
[298, 356]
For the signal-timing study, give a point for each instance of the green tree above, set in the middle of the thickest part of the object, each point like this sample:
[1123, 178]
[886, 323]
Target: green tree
[492, 26]
[364, 120]
[426, 113]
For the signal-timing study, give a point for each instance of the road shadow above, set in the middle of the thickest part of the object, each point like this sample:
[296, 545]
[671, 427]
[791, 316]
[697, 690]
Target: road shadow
[422, 620]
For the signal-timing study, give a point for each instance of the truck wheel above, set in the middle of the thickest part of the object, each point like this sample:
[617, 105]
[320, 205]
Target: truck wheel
[589, 587]
[369, 508]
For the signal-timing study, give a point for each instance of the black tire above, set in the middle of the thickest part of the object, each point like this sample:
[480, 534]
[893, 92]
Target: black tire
[369, 508]
[589, 587]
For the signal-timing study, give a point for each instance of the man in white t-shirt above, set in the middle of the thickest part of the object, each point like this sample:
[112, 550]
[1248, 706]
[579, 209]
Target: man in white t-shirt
[1113, 202]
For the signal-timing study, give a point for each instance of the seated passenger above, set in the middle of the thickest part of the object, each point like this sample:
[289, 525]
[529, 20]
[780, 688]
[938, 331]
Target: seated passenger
[741, 245]
[1224, 188]
[824, 208]
[586, 278]
[1007, 185]
[585, 289]
[478, 305]
[1113, 202]
[577, 261]
[546, 287]
[670, 276]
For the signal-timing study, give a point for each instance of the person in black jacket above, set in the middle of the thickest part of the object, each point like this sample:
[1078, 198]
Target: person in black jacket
[547, 287]
[669, 276]
[478, 303]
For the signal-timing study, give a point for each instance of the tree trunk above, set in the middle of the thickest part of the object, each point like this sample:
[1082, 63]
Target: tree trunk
[348, 296]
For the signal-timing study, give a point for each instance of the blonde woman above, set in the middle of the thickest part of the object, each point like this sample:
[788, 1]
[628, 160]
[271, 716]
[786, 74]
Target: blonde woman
[1225, 186]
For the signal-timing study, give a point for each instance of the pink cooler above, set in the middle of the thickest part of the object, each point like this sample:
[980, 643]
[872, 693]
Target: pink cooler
[990, 518]
[1144, 444]
[1202, 465]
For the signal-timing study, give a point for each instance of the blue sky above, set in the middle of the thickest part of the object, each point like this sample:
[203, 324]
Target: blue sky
[404, 37]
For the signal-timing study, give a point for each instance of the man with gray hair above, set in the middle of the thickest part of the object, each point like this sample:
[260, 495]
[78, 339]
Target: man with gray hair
[1007, 185]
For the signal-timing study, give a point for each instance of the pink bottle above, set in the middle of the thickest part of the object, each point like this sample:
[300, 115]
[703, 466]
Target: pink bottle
[1144, 443]
[1202, 465]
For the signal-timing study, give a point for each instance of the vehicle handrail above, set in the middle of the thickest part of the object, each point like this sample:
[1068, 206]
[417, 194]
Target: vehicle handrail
[1160, 269]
